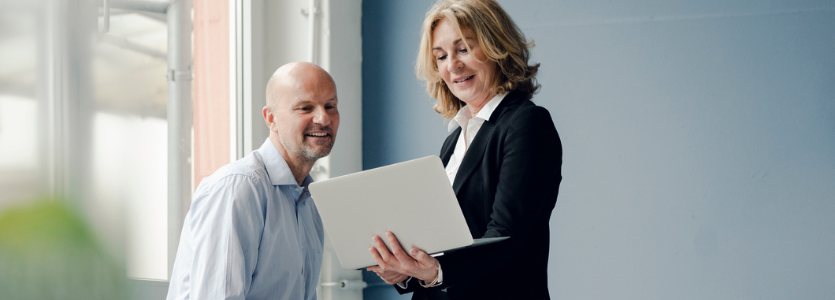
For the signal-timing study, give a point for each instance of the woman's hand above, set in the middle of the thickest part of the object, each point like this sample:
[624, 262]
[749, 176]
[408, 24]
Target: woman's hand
[390, 277]
[418, 264]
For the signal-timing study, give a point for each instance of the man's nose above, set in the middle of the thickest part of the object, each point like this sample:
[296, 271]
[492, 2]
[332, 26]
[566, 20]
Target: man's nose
[321, 117]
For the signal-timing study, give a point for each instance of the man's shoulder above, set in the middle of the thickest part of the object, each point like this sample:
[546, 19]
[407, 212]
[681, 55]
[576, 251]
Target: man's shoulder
[250, 168]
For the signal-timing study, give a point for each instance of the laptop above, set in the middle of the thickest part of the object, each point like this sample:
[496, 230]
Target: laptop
[412, 199]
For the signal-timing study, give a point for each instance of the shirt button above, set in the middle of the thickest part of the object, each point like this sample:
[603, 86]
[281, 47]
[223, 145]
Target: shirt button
[297, 189]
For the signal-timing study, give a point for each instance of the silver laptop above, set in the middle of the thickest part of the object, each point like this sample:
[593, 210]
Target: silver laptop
[412, 199]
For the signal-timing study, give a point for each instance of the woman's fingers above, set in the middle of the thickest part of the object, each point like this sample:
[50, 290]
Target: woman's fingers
[390, 277]
[396, 250]
[415, 263]
[378, 258]
[422, 257]
[381, 248]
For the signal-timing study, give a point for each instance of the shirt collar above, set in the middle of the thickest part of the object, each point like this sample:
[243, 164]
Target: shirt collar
[463, 114]
[277, 168]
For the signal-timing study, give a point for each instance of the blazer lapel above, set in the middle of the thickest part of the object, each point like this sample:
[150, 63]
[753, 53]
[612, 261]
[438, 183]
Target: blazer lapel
[482, 139]
[449, 145]
[473, 155]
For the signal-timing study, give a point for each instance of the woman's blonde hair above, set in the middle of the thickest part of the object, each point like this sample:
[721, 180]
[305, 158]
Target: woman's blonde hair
[498, 36]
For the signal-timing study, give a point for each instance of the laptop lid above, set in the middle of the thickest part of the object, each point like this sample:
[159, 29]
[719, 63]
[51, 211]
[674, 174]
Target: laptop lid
[412, 199]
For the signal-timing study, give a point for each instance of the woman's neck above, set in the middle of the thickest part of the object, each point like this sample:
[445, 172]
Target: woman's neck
[478, 105]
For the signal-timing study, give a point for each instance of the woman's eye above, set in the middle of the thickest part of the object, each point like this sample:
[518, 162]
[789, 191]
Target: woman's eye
[463, 50]
[441, 57]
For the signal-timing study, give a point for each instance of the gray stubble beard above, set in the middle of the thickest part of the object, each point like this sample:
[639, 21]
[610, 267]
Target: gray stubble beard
[308, 153]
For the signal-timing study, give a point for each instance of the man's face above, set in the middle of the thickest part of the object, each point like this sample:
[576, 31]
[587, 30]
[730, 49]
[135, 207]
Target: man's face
[306, 119]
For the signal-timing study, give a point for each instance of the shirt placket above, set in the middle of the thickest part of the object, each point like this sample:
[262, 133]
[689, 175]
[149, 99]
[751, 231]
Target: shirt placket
[299, 203]
[472, 130]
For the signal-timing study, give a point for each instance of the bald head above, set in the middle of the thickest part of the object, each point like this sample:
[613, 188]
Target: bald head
[301, 114]
[296, 77]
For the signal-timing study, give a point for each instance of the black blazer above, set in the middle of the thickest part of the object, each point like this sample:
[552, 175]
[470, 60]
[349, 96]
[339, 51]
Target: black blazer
[507, 185]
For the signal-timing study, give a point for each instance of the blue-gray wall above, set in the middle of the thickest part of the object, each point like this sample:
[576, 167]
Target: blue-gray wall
[699, 140]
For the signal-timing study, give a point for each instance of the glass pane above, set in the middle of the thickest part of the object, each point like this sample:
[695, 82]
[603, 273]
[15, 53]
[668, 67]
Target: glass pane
[84, 114]
[129, 136]
[19, 133]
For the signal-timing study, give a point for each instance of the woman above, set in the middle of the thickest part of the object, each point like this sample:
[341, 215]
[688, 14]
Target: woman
[503, 159]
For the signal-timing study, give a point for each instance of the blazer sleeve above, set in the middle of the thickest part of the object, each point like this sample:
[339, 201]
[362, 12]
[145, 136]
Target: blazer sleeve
[528, 182]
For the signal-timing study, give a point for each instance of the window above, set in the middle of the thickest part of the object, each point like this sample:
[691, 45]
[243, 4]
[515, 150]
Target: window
[20, 163]
[129, 139]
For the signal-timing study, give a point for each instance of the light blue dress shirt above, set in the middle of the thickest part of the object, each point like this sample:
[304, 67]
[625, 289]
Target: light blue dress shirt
[252, 233]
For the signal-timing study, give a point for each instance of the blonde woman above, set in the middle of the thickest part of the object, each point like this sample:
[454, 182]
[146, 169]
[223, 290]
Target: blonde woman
[503, 158]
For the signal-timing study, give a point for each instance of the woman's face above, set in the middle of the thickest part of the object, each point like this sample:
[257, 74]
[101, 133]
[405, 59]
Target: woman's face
[469, 75]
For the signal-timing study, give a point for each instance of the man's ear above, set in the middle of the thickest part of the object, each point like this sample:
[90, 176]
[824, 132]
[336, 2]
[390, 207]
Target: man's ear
[269, 116]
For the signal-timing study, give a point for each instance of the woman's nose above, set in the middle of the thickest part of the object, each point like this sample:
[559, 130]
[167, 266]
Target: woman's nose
[454, 63]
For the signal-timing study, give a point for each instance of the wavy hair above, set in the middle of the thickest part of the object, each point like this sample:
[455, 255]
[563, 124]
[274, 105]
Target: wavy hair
[500, 39]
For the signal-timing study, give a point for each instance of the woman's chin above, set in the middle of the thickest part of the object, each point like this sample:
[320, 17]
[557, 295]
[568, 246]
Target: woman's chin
[473, 98]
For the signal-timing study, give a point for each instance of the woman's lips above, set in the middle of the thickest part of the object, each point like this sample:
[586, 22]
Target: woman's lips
[463, 79]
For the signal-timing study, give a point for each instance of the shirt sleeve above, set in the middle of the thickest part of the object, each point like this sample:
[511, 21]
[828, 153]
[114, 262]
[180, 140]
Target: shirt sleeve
[227, 223]
[405, 283]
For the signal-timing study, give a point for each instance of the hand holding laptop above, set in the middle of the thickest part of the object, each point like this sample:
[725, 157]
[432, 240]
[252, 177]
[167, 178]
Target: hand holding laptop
[391, 265]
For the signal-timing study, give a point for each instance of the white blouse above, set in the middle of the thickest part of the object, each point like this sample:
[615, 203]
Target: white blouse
[469, 128]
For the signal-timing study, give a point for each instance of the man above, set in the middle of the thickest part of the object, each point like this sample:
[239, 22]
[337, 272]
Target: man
[252, 231]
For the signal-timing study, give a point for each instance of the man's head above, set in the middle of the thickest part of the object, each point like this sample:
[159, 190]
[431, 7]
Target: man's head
[301, 112]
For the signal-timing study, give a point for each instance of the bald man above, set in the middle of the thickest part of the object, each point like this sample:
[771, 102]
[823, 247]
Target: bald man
[252, 231]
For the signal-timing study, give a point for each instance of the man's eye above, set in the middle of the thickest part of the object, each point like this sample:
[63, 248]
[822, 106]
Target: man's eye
[330, 107]
[305, 108]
